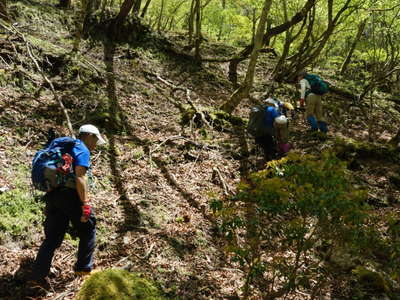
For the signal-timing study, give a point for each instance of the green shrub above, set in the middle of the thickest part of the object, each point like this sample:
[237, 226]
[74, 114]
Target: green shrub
[19, 214]
[118, 284]
[287, 219]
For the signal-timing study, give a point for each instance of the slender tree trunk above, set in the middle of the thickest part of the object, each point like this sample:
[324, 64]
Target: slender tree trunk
[3, 10]
[333, 22]
[282, 73]
[124, 11]
[171, 23]
[233, 64]
[80, 19]
[144, 10]
[346, 62]
[160, 16]
[288, 41]
[191, 21]
[297, 18]
[198, 30]
[222, 22]
[136, 7]
[254, 26]
[65, 3]
[244, 90]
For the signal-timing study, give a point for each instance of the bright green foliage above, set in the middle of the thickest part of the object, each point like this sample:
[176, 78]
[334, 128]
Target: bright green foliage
[118, 284]
[19, 212]
[286, 219]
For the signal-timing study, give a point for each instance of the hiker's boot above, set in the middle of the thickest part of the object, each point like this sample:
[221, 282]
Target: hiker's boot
[323, 127]
[313, 123]
[82, 273]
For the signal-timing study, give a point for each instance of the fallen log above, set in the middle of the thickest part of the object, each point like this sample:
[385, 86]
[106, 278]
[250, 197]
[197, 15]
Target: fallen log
[343, 93]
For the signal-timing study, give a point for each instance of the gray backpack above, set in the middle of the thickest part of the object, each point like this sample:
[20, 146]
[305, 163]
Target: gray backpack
[256, 126]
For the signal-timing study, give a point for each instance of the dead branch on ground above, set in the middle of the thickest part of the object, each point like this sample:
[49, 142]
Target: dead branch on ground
[217, 172]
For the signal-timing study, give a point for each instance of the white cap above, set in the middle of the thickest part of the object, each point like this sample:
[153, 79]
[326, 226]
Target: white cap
[281, 120]
[271, 101]
[88, 128]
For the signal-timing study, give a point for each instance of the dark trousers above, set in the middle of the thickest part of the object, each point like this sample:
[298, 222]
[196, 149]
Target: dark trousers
[267, 143]
[63, 206]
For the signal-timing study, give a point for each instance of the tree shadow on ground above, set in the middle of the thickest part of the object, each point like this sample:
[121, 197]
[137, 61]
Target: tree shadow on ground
[131, 212]
[18, 287]
[14, 286]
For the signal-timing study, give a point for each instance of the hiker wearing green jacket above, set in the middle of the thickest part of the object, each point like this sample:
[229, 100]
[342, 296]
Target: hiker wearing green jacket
[311, 90]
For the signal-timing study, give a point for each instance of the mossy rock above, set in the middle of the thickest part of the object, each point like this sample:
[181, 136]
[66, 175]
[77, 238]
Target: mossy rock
[371, 281]
[118, 284]
[349, 149]
[219, 119]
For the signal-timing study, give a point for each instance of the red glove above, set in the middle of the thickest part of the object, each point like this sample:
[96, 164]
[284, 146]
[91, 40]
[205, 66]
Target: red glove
[301, 102]
[86, 209]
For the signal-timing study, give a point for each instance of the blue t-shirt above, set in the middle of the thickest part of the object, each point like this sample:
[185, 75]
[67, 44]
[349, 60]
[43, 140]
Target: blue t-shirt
[270, 114]
[81, 155]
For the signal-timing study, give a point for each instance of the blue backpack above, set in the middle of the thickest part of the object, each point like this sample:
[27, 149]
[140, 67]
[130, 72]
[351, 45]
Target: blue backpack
[52, 166]
[318, 86]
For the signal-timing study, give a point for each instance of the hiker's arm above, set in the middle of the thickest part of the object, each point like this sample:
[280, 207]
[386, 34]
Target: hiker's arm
[81, 187]
[81, 184]
[302, 91]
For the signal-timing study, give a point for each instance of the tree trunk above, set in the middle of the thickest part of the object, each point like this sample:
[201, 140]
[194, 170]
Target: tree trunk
[198, 30]
[160, 16]
[169, 23]
[297, 18]
[144, 11]
[288, 41]
[253, 27]
[282, 73]
[346, 62]
[65, 3]
[3, 10]
[310, 52]
[191, 21]
[80, 19]
[124, 11]
[136, 7]
[244, 89]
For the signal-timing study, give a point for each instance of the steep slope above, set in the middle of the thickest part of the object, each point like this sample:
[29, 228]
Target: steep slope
[154, 179]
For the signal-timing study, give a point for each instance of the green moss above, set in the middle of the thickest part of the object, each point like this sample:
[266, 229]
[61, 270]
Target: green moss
[19, 212]
[371, 280]
[217, 118]
[118, 284]
[350, 148]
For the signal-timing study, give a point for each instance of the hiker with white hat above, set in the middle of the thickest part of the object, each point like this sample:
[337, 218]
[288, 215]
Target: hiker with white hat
[67, 200]
[269, 128]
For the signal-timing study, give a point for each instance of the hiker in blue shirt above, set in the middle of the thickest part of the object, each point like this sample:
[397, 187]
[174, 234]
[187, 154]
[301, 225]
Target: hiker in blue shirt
[311, 90]
[70, 203]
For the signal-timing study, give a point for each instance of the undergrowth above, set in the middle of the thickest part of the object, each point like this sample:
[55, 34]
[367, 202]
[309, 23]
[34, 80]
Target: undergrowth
[19, 214]
[287, 222]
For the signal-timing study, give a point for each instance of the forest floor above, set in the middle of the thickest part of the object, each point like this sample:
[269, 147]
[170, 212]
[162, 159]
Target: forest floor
[155, 178]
